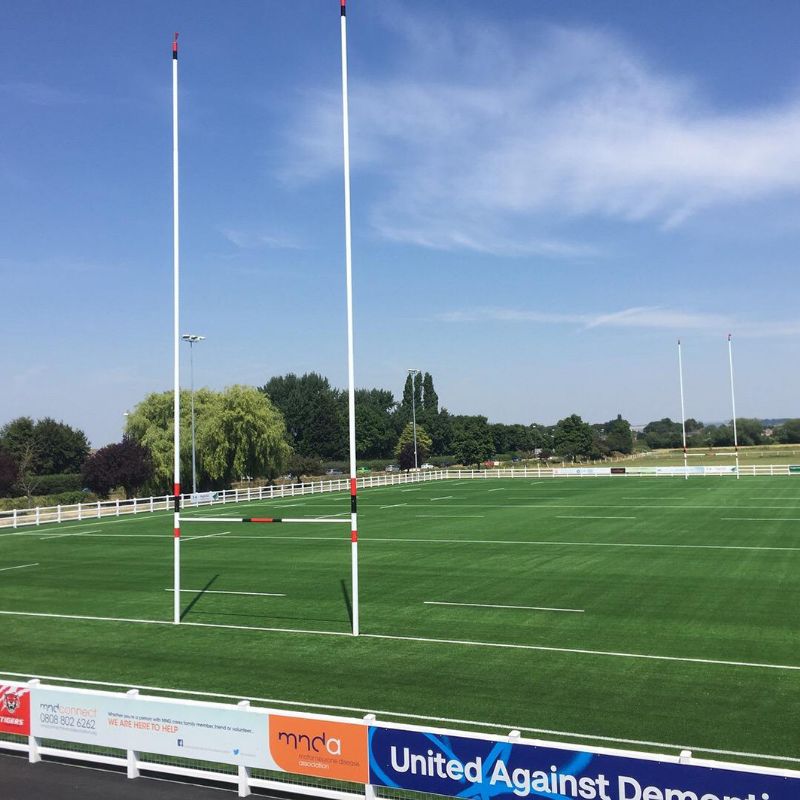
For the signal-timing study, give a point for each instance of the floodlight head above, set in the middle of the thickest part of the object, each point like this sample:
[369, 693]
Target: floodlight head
[192, 337]
[413, 371]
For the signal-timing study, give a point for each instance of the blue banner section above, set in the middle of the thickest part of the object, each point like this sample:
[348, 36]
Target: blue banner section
[487, 769]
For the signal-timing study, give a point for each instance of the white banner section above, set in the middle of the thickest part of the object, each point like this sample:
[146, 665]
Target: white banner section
[205, 731]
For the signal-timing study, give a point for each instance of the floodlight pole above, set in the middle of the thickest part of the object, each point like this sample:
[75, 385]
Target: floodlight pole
[192, 339]
[176, 417]
[413, 373]
[733, 406]
[351, 391]
[683, 415]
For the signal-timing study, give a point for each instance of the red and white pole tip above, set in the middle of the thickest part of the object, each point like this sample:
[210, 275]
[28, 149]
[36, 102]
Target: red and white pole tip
[175, 45]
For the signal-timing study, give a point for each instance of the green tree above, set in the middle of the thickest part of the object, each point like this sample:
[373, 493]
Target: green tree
[408, 392]
[663, 433]
[424, 443]
[749, 431]
[241, 434]
[619, 437]
[375, 429]
[48, 446]
[789, 432]
[573, 438]
[472, 439]
[61, 447]
[314, 412]
[8, 473]
[17, 436]
[430, 400]
[299, 466]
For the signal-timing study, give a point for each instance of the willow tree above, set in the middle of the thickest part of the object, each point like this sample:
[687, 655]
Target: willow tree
[239, 433]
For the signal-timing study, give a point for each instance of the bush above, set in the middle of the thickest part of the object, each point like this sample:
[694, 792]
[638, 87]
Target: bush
[63, 498]
[59, 483]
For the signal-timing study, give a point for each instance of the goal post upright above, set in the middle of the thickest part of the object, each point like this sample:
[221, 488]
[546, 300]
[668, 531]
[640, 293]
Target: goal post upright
[351, 403]
[733, 406]
[683, 415]
[176, 418]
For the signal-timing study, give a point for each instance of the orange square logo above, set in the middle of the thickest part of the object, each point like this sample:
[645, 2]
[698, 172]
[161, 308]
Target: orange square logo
[320, 748]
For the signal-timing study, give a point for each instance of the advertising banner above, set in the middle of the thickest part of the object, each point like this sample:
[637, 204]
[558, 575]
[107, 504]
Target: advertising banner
[15, 709]
[458, 766]
[319, 747]
[582, 471]
[151, 725]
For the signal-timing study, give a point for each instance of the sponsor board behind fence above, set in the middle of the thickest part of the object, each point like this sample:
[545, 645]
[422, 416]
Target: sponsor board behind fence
[491, 767]
[448, 763]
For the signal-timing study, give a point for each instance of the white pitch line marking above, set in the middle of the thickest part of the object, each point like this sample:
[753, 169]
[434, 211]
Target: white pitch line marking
[206, 536]
[564, 516]
[396, 505]
[450, 516]
[499, 489]
[219, 591]
[20, 566]
[760, 519]
[434, 499]
[582, 651]
[493, 605]
[522, 541]
[331, 516]
[411, 490]
[62, 535]
[384, 636]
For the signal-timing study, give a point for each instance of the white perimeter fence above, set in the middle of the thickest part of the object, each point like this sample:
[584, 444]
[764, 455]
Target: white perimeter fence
[139, 505]
[267, 748]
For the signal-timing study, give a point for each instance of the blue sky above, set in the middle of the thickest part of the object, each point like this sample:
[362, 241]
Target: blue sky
[545, 197]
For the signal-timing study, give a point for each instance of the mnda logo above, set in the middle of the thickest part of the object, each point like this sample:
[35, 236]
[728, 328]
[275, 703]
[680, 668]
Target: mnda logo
[314, 744]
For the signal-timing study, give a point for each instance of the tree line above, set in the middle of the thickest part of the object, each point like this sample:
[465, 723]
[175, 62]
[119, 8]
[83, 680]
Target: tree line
[293, 424]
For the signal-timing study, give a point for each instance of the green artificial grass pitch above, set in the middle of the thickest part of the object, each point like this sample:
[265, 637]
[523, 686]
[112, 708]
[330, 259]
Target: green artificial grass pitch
[630, 612]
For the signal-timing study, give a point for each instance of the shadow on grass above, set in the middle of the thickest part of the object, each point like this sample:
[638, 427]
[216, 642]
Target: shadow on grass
[197, 597]
[347, 603]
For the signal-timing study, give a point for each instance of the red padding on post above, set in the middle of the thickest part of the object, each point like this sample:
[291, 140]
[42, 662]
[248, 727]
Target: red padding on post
[353, 536]
[353, 487]
[177, 533]
[261, 519]
[176, 489]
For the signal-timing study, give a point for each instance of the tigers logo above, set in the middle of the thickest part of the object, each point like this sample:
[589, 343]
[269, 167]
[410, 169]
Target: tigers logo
[319, 747]
[15, 709]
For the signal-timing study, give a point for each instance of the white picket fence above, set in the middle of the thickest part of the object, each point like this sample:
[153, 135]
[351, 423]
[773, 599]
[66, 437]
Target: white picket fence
[20, 517]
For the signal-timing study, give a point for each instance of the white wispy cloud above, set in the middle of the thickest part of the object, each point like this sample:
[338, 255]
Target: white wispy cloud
[496, 140]
[643, 317]
[254, 240]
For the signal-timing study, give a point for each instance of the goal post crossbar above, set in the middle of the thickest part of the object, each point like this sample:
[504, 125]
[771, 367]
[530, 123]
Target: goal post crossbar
[263, 520]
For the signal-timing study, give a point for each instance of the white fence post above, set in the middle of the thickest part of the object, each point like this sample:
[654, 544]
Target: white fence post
[118, 506]
[133, 756]
[98, 509]
[369, 789]
[33, 742]
[14, 518]
[79, 513]
[37, 515]
[58, 513]
[244, 772]
[151, 504]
